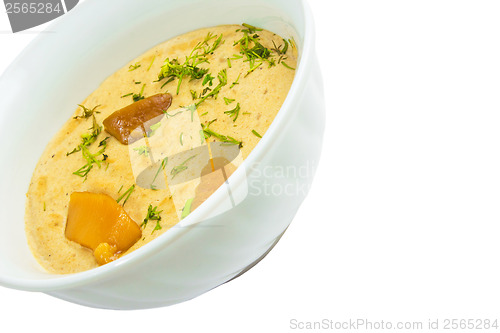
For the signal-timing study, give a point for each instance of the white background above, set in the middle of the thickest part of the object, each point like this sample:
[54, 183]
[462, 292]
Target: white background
[402, 222]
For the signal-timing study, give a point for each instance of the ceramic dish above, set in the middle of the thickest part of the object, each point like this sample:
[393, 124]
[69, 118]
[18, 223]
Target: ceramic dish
[62, 66]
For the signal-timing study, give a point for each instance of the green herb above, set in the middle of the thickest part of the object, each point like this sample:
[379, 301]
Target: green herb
[162, 167]
[88, 138]
[255, 53]
[142, 150]
[152, 215]
[134, 67]
[202, 136]
[91, 160]
[129, 94]
[121, 187]
[222, 77]
[154, 128]
[206, 90]
[250, 28]
[138, 82]
[84, 171]
[235, 82]
[283, 63]
[180, 138]
[187, 208]
[256, 134]
[191, 108]
[171, 115]
[44, 206]
[180, 168]
[151, 64]
[104, 142]
[279, 49]
[87, 113]
[126, 195]
[223, 138]
[204, 114]
[139, 96]
[253, 68]
[194, 95]
[190, 68]
[208, 79]
[167, 82]
[173, 69]
[157, 227]
[234, 112]
[229, 63]
[228, 100]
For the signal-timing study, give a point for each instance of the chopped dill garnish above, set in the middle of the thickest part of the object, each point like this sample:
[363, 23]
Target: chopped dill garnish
[180, 168]
[151, 64]
[180, 138]
[222, 77]
[129, 94]
[167, 82]
[234, 112]
[279, 50]
[208, 79]
[168, 115]
[191, 108]
[256, 134]
[235, 82]
[204, 114]
[202, 137]
[229, 63]
[87, 113]
[137, 82]
[284, 64]
[249, 28]
[206, 90]
[134, 67]
[172, 69]
[253, 68]
[223, 138]
[121, 187]
[154, 128]
[152, 215]
[162, 167]
[142, 150]
[88, 138]
[228, 100]
[194, 95]
[139, 96]
[187, 208]
[104, 142]
[126, 195]
[91, 160]
[250, 47]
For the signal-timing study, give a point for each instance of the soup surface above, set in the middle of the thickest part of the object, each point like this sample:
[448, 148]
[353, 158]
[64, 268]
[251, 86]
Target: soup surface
[225, 84]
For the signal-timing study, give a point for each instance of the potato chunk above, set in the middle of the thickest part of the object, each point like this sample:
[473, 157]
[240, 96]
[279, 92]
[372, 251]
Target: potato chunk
[95, 219]
[133, 121]
[105, 253]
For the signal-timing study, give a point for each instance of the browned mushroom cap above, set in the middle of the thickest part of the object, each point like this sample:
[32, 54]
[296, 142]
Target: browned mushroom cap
[131, 123]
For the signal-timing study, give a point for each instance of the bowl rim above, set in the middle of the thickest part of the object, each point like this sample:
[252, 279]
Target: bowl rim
[68, 281]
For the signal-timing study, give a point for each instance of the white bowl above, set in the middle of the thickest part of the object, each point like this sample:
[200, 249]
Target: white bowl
[59, 69]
